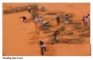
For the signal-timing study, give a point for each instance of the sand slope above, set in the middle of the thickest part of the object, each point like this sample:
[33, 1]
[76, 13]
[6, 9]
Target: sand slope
[20, 39]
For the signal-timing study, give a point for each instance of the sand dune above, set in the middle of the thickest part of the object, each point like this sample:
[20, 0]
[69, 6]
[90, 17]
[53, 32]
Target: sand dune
[21, 39]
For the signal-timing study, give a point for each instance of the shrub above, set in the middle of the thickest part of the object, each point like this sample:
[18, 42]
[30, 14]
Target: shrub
[11, 10]
[34, 15]
[16, 9]
[19, 9]
[70, 15]
[62, 28]
[62, 16]
[70, 33]
[70, 21]
[51, 13]
[77, 26]
[23, 8]
[5, 11]
[49, 25]
[34, 7]
[72, 41]
[84, 35]
[77, 23]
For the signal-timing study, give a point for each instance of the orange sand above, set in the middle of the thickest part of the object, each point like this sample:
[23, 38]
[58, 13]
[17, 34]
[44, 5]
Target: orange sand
[21, 39]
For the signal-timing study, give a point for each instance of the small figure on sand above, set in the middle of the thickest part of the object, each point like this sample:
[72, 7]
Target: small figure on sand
[44, 26]
[66, 19]
[36, 20]
[58, 20]
[86, 22]
[24, 19]
[42, 46]
[29, 9]
[54, 36]
[41, 19]
[83, 19]
[43, 8]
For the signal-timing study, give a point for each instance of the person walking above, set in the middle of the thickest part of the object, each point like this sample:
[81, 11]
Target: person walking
[42, 46]
[43, 8]
[44, 26]
[36, 20]
[83, 19]
[86, 22]
[58, 20]
[66, 19]
[54, 36]
[29, 9]
[41, 19]
[24, 19]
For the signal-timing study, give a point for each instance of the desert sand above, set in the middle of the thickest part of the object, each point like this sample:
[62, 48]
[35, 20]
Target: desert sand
[21, 39]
